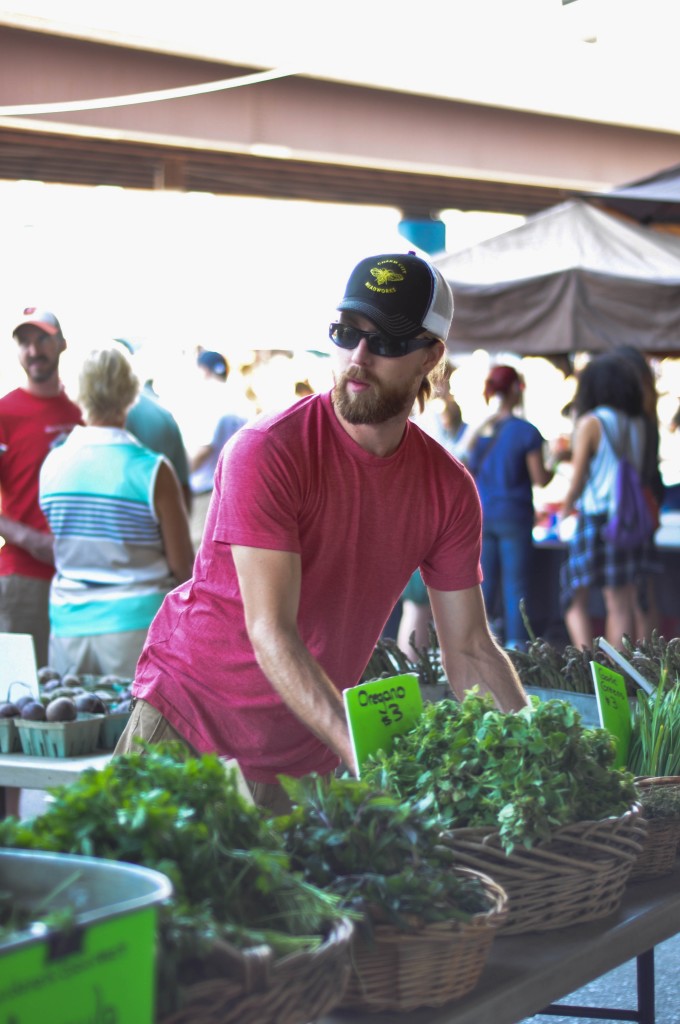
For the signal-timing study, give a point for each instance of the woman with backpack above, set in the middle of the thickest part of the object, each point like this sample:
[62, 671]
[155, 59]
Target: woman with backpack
[608, 406]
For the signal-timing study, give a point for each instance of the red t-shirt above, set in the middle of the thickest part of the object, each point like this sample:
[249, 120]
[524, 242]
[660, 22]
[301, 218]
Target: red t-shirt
[29, 427]
[361, 525]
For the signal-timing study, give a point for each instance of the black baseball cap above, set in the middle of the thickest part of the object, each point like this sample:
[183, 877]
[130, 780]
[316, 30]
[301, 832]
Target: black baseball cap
[402, 294]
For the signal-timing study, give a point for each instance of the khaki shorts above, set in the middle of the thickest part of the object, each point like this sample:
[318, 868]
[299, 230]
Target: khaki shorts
[147, 723]
[101, 654]
[24, 608]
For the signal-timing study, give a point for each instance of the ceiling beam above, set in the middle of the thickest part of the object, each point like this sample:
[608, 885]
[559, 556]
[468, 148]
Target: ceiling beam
[296, 137]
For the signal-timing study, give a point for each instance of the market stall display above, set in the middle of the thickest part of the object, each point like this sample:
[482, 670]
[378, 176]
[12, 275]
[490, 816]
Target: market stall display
[70, 715]
[242, 928]
[366, 904]
[425, 925]
[529, 798]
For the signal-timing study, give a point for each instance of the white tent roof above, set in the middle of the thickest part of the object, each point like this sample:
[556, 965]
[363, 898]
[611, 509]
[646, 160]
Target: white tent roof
[571, 235]
[572, 277]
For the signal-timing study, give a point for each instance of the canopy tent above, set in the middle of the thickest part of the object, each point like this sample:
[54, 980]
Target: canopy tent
[571, 278]
[653, 200]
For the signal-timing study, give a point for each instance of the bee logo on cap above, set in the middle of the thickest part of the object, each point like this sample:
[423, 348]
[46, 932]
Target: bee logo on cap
[384, 276]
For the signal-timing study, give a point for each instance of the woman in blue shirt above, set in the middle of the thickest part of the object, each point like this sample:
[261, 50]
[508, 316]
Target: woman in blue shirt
[505, 456]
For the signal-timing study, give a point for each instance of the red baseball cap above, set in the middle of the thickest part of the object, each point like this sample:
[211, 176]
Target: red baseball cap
[41, 318]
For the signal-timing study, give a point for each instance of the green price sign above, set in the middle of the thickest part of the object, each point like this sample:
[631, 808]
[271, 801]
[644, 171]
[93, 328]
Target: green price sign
[613, 708]
[109, 978]
[380, 710]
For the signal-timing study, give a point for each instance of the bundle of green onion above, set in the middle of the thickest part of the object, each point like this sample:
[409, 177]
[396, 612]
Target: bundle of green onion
[655, 742]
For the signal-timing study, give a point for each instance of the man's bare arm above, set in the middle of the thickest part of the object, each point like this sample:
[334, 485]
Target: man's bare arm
[38, 544]
[270, 589]
[470, 655]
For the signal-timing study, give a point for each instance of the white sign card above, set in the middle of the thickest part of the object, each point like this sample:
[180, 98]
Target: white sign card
[18, 668]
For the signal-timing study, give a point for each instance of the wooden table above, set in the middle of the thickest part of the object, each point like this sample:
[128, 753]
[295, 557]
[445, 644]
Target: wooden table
[527, 974]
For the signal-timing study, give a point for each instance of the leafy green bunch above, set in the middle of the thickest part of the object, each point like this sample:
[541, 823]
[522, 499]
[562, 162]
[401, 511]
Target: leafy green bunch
[525, 773]
[183, 815]
[380, 854]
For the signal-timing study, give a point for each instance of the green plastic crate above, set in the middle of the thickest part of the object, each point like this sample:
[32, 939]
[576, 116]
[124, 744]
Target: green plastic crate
[104, 969]
[60, 739]
[9, 737]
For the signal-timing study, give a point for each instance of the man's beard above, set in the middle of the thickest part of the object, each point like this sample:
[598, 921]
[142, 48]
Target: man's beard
[41, 370]
[375, 405]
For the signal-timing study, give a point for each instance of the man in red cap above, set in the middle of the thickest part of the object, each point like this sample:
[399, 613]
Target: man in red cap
[33, 418]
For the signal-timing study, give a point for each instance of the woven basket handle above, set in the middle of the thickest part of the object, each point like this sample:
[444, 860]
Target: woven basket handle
[250, 967]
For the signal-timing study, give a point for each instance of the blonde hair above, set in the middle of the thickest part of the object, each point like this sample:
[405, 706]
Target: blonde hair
[108, 385]
[439, 373]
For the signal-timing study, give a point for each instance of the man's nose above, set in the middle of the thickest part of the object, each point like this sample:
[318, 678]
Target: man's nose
[361, 353]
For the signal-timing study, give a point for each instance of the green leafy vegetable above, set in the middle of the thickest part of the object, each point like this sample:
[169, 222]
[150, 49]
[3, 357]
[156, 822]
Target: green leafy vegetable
[381, 855]
[525, 774]
[184, 816]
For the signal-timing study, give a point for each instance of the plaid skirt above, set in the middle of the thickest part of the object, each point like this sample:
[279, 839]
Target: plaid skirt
[591, 562]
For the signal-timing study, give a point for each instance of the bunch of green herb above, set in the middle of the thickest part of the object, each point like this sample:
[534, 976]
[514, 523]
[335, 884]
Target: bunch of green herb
[525, 774]
[655, 740]
[184, 816]
[380, 854]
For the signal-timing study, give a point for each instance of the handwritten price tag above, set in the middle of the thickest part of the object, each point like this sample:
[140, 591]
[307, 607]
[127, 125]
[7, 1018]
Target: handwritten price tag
[379, 710]
[613, 708]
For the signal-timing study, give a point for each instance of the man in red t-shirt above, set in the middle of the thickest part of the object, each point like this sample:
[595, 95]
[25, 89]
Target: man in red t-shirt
[33, 418]
[320, 514]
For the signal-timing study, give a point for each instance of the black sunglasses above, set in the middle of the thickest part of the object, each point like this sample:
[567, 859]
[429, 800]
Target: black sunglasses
[345, 336]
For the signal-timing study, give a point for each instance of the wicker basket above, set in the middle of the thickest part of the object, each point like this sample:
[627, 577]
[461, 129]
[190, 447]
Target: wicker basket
[258, 989]
[397, 970]
[662, 844]
[578, 875]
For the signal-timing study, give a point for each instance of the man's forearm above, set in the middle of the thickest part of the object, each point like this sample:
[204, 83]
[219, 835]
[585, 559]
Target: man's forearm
[306, 689]
[38, 544]
[491, 670]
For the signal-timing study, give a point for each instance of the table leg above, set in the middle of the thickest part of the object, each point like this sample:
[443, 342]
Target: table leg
[645, 1013]
[645, 987]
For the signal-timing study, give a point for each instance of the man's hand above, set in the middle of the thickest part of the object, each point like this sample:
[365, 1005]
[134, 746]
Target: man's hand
[470, 655]
[38, 544]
